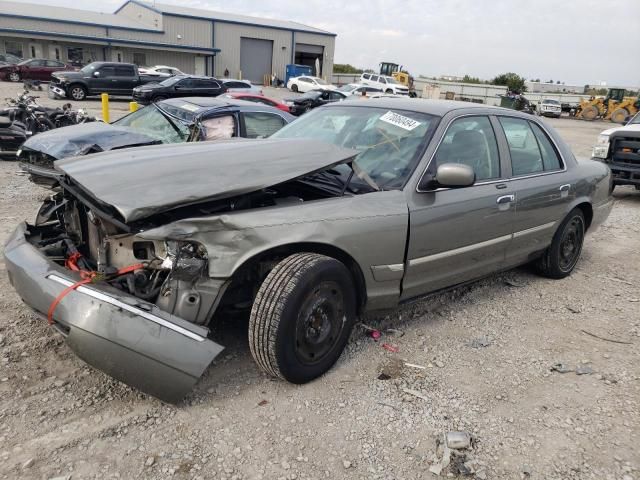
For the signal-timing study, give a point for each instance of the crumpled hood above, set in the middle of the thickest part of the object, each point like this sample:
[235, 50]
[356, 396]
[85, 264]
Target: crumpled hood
[142, 182]
[87, 137]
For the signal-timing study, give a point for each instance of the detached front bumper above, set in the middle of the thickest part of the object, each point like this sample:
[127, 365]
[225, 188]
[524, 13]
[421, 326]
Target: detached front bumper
[127, 338]
[56, 92]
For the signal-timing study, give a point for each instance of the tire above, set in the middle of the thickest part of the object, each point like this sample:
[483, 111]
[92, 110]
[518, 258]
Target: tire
[77, 92]
[302, 290]
[294, 88]
[559, 260]
[388, 90]
[619, 115]
[590, 113]
[159, 98]
[14, 77]
[44, 124]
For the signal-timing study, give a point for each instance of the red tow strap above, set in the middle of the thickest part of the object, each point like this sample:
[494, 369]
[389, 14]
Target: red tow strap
[87, 276]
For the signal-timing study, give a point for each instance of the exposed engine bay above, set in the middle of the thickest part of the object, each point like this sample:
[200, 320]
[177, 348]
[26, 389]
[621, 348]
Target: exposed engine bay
[172, 274]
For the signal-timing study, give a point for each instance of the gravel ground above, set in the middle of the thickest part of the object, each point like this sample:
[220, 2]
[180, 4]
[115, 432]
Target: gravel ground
[487, 352]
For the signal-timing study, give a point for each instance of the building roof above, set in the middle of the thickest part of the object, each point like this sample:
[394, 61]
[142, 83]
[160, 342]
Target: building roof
[228, 17]
[72, 15]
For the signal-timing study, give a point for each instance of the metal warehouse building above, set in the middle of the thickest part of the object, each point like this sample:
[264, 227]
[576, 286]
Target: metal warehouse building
[196, 41]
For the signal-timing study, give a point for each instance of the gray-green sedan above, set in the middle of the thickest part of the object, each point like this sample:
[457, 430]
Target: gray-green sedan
[357, 207]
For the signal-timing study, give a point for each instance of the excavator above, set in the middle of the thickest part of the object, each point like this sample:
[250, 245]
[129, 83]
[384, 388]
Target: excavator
[400, 75]
[614, 107]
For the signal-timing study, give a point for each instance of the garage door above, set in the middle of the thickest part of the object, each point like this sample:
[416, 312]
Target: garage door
[307, 54]
[255, 58]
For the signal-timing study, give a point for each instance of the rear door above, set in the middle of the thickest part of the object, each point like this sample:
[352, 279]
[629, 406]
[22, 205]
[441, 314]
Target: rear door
[542, 186]
[460, 234]
[126, 79]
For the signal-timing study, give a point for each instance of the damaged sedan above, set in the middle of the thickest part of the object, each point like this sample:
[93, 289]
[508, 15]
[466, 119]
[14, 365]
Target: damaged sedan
[170, 121]
[356, 208]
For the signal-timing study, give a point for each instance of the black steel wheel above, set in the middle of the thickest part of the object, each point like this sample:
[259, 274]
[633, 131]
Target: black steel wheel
[561, 257]
[302, 317]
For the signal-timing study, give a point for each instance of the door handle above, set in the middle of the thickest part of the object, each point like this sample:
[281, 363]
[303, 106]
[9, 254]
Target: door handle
[505, 199]
[565, 188]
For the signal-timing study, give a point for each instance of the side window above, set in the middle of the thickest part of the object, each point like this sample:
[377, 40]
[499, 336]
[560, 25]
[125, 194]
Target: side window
[471, 141]
[218, 128]
[550, 158]
[261, 124]
[375, 78]
[366, 76]
[186, 83]
[305, 80]
[124, 71]
[526, 157]
[37, 63]
[335, 96]
[107, 72]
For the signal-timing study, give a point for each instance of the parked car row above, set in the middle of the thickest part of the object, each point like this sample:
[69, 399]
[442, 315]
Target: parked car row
[355, 207]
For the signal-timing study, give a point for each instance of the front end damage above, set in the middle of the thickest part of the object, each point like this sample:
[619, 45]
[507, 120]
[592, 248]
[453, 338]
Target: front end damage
[140, 327]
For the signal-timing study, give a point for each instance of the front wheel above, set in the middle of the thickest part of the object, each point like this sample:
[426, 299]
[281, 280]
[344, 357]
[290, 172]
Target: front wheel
[559, 260]
[294, 88]
[159, 98]
[77, 92]
[14, 76]
[302, 317]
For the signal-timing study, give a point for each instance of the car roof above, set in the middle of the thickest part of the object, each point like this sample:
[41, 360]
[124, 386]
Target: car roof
[204, 105]
[225, 80]
[431, 107]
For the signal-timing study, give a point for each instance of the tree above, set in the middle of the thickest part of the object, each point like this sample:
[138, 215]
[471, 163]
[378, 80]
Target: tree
[470, 79]
[558, 82]
[345, 68]
[513, 82]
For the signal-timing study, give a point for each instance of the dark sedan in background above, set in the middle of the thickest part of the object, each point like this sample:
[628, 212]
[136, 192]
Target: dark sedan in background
[178, 86]
[32, 69]
[170, 121]
[313, 99]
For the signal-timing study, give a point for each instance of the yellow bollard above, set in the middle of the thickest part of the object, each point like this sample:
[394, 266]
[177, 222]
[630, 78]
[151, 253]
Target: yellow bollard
[133, 107]
[105, 107]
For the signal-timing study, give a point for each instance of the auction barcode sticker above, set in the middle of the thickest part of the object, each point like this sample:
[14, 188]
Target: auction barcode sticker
[400, 120]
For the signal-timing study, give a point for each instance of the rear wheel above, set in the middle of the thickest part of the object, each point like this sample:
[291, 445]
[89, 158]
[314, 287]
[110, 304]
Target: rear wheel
[619, 115]
[590, 112]
[14, 76]
[294, 88]
[559, 260]
[388, 91]
[302, 317]
[77, 92]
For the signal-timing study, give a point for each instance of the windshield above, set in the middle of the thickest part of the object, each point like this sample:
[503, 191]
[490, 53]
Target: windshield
[153, 122]
[390, 142]
[635, 120]
[320, 81]
[391, 80]
[88, 69]
[170, 81]
[551, 102]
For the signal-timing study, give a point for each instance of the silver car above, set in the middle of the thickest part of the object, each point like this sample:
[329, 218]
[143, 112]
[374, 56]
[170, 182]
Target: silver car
[355, 208]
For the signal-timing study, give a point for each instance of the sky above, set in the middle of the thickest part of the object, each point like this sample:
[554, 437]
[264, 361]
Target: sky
[574, 41]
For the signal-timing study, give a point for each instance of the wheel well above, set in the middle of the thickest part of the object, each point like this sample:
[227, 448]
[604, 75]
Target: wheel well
[587, 211]
[250, 275]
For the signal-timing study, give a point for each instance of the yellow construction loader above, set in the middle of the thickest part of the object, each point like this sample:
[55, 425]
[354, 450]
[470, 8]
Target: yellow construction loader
[614, 107]
[399, 74]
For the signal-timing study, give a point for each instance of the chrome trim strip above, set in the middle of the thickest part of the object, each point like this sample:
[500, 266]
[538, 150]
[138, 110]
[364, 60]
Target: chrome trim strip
[539, 228]
[117, 303]
[500, 180]
[456, 251]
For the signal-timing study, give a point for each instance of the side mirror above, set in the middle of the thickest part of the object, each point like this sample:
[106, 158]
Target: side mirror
[453, 175]
[96, 74]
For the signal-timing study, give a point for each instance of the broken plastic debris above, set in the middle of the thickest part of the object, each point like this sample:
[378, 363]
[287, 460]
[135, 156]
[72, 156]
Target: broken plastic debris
[395, 331]
[415, 393]
[561, 368]
[458, 440]
[375, 334]
[262, 403]
[413, 365]
[584, 370]
[480, 342]
[390, 348]
[513, 283]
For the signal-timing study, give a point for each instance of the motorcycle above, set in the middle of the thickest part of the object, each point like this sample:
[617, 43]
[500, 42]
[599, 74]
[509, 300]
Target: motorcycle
[12, 135]
[25, 110]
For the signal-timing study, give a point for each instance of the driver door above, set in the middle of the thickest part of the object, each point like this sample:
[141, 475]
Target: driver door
[460, 234]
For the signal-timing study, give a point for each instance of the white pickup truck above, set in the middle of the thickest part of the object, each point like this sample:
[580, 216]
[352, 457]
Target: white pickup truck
[619, 147]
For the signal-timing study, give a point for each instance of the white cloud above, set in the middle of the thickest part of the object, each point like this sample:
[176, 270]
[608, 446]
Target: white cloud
[575, 41]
